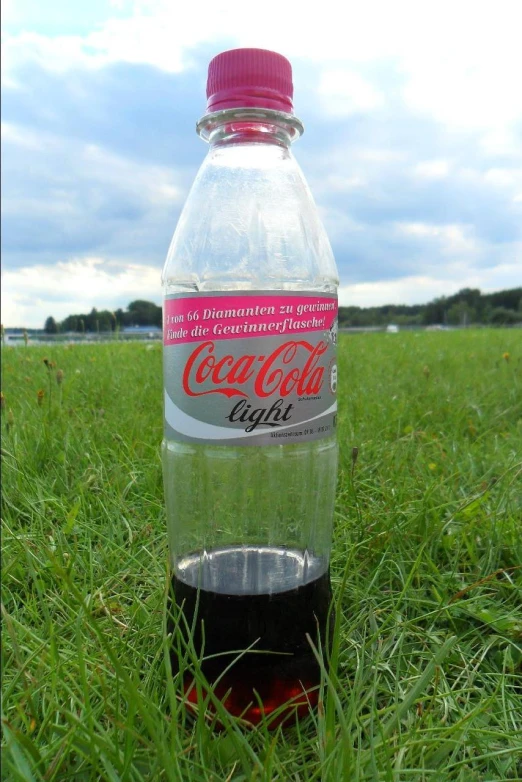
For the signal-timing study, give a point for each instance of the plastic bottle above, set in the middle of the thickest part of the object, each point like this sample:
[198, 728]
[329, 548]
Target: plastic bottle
[250, 450]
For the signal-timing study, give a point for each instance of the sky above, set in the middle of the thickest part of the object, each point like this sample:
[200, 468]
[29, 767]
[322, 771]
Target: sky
[412, 143]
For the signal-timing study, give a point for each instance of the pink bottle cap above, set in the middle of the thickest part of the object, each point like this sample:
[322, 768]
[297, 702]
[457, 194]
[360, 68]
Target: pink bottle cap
[250, 78]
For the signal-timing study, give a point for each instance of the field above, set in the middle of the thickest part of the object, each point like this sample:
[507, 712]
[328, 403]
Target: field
[426, 677]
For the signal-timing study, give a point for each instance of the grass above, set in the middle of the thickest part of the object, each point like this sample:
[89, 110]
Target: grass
[426, 676]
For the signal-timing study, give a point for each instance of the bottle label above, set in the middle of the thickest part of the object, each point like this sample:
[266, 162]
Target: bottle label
[250, 368]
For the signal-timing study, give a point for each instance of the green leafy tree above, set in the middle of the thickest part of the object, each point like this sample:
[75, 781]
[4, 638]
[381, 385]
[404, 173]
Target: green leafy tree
[144, 313]
[467, 306]
[90, 320]
[502, 316]
[435, 311]
[461, 314]
[51, 327]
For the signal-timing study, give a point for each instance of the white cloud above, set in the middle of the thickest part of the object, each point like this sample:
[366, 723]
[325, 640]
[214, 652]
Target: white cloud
[377, 155]
[474, 82]
[432, 169]
[8, 9]
[31, 294]
[83, 163]
[510, 178]
[339, 224]
[454, 238]
[157, 183]
[60, 53]
[407, 290]
[336, 183]
[343, 92]
[501, 141]
[460, 63]
[20, 136]
[421, 289]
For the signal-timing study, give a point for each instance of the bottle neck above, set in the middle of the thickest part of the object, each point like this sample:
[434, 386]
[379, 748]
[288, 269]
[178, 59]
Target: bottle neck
[249, 126]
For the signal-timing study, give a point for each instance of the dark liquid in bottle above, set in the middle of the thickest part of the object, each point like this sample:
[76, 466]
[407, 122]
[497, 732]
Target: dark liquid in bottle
[283, 667]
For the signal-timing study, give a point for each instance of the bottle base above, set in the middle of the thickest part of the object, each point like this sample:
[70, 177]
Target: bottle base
[255, 692]
[279, 674]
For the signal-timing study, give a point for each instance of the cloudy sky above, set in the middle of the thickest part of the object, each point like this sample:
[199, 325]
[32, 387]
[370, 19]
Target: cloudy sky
[412, 148]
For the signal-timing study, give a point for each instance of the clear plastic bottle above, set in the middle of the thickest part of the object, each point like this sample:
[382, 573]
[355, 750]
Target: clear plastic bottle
[250, 450]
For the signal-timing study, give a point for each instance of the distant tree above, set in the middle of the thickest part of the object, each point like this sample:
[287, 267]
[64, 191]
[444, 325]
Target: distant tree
[467, 306]
[407, 320]
[70, 323]
[470, 295]
[51, 327]
[104, 320]
[144, 313]
[435, 311]
[461, 314]
[90, 320]
[347, 315]
[501, 316]
[508, 299]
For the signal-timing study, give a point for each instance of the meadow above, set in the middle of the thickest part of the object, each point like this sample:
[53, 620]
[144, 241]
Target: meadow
[425, 681]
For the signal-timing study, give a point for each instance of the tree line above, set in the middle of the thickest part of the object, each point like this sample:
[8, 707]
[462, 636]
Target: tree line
[468, 306]
[138, 313]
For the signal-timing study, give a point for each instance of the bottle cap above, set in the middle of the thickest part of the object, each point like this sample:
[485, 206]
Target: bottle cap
[250, 78]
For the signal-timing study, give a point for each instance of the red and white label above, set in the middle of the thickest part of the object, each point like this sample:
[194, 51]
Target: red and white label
[200, 318]
[250, 368]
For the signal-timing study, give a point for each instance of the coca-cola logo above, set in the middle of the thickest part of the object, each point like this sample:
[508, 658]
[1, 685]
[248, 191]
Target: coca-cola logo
[294, 367]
